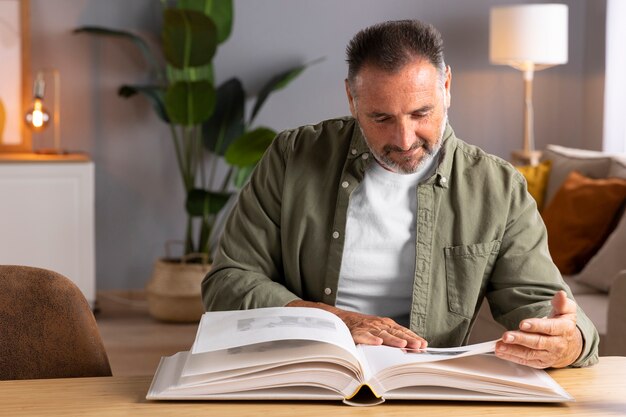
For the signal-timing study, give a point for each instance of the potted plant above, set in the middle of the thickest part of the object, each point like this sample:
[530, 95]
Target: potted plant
[203, 121]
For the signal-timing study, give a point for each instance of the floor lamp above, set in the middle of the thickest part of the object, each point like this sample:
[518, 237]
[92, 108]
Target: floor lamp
[530, 38]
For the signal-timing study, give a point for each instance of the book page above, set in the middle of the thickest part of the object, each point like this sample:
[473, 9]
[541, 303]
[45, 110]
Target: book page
[222, 330]
[379, 358]
[165, 385]
[485, 374]
[289, 379]
[229, 363]
[463, 394]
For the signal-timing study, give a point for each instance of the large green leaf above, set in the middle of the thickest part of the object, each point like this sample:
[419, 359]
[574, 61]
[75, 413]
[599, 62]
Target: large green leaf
[248, 149]
[190, 103]
[189, 38]
[204, 72]
[226, 123]
[137, 40]
[201, 203]
[276, 83]
[154, 93]
[220, 10]
[242, 175]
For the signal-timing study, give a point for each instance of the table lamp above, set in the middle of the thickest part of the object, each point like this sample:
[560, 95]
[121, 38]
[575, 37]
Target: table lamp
[37, 117]
[528, 37]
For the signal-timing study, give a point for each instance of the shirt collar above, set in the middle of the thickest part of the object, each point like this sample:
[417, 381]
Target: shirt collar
[444, 167]
[358, 147]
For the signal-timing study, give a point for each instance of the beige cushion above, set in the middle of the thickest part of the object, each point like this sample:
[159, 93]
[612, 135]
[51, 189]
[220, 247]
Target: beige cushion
[578, 287]
[618, 167]
[610, 259]
[591, 164]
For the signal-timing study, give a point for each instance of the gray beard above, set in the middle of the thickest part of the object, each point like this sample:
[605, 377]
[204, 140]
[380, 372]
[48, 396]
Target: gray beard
[388, 163]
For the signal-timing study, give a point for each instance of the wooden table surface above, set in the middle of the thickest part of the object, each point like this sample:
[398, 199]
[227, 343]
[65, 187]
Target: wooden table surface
[599, 391]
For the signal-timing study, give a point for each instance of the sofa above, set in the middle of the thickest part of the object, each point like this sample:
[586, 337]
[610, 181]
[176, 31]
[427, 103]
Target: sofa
[598, 279]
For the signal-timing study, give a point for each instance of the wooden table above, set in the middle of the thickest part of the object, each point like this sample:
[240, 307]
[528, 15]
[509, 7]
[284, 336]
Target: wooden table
[599, 391]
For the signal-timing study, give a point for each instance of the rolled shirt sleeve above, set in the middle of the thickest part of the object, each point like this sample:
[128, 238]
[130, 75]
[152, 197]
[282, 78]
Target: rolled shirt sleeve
[525, 279]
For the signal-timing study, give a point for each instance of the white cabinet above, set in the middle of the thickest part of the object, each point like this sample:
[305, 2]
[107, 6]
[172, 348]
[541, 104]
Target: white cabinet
[47, 218]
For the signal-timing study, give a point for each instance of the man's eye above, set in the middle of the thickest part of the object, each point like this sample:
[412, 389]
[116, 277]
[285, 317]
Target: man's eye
[424, 114]
[382, 119]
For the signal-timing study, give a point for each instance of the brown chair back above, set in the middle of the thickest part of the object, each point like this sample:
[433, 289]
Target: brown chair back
[47, 329]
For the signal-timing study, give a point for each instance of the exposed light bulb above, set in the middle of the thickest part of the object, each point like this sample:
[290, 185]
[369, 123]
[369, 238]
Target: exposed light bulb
[37, 117]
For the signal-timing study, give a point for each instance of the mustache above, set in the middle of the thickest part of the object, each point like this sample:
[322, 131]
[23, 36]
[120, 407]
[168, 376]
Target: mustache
[419, 143]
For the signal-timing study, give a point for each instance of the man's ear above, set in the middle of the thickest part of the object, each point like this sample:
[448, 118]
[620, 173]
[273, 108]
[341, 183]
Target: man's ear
[350, 99]
[447, 85]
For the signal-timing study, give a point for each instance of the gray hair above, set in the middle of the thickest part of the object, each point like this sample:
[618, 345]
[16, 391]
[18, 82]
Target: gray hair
[392, 45]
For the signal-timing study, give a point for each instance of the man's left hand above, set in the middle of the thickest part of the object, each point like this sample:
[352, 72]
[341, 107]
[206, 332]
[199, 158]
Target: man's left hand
[541, 343]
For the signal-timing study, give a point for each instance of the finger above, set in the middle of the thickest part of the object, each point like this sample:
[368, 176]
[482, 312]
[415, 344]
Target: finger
[413, 340]
[528, 340]
[398, 336]
[417, 344]
[562, 305]
[366, 338]
[525, 354]
[553, 327]
[533, 363]
[390, 339]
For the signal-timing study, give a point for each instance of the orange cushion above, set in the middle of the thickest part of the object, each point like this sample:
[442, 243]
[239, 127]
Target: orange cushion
[537, 180]
[580, 217]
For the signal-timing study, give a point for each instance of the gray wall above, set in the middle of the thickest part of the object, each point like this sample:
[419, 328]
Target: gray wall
[593, 76]
[138, 192]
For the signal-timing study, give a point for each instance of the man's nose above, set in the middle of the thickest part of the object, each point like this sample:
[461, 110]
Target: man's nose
[405, 136]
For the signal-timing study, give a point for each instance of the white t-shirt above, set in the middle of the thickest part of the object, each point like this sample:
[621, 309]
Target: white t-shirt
[378, 264]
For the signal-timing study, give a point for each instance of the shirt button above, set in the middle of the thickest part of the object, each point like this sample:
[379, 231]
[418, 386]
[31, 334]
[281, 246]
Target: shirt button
[328, 291]
[365, 156]
[345, 184]
[335, 235]
[443, 180]
[353, 151]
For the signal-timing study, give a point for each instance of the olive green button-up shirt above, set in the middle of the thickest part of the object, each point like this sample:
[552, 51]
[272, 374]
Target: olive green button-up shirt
[479, 234]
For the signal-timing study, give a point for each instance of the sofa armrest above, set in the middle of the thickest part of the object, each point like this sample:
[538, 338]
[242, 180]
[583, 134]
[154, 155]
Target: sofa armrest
[616, 320]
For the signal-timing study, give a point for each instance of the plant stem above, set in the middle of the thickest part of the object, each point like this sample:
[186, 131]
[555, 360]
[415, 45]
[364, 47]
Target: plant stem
[200, 152]
[188, 236]
[179, 159]
[188, 139]
[214, 162]
[205, 234]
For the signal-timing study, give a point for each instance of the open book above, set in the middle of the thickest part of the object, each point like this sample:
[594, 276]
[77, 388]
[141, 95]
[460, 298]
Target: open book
[308, 354]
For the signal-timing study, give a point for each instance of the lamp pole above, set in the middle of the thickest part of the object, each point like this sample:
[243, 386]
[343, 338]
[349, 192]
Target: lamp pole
[528, 155]
[529, 134]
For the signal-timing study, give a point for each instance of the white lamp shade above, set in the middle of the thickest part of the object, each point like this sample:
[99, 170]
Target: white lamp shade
[528, 35]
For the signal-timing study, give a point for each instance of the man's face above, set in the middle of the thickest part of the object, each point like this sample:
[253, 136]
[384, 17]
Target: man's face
[402, 115]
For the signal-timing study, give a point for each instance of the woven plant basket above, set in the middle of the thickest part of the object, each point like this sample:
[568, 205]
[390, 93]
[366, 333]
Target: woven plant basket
[173, 292]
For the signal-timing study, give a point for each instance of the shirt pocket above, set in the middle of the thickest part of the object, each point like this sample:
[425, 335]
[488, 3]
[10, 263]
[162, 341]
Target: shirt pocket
[467, 266]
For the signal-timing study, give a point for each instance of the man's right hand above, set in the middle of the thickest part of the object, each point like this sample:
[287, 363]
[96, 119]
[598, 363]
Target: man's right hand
[371, 330]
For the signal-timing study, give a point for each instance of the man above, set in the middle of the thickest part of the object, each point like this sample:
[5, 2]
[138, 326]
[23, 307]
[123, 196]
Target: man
[392, 223]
